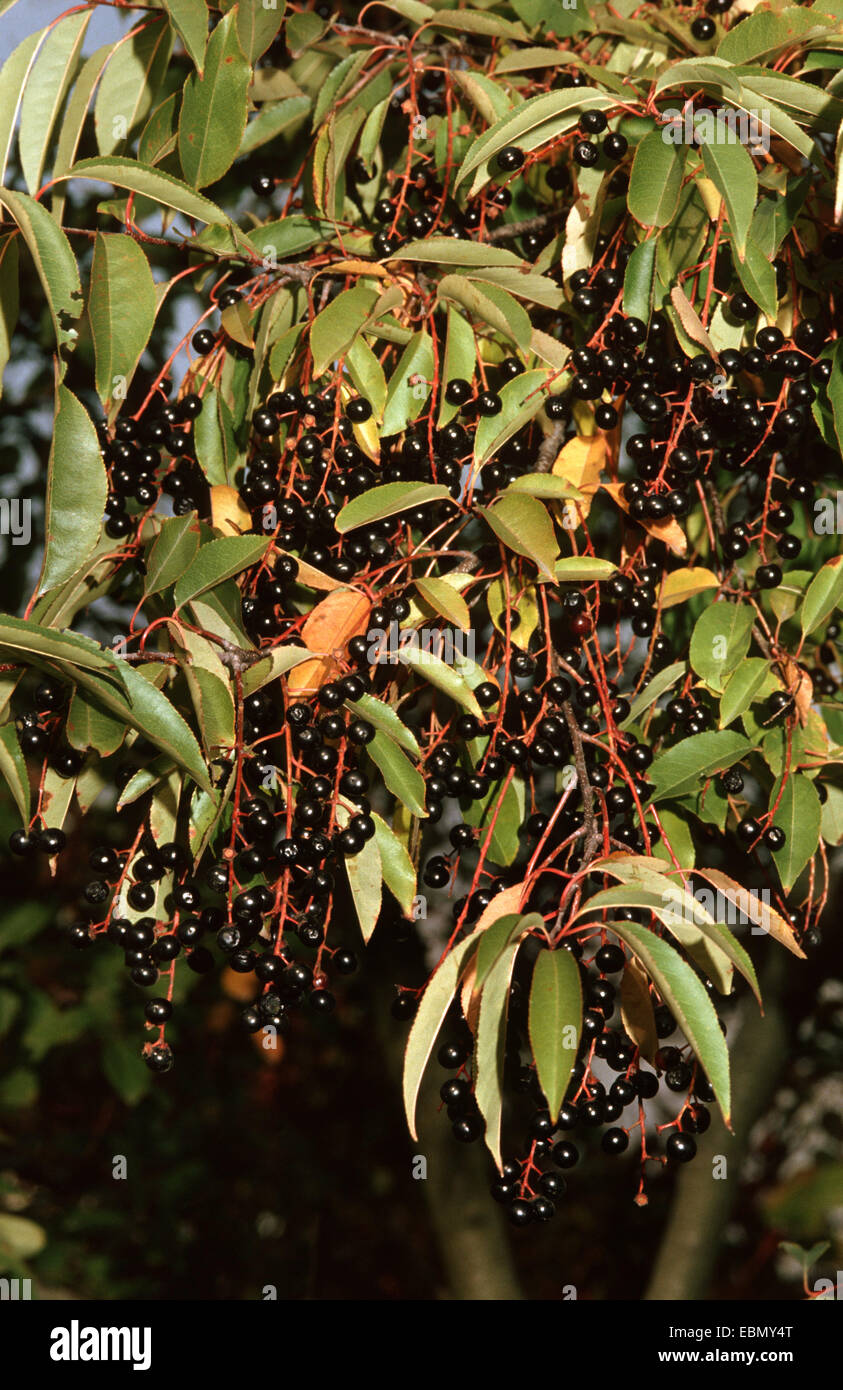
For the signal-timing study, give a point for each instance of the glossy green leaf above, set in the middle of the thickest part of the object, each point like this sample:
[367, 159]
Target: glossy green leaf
[9, 297]
[758, 278]
[368, 376]
[398, 872]
[798, 814]
[751, 681]
[764, 33]
[430, 1015]
[410, 385]
[150, 183]
[190, 21]
[574, 569]
[121, 310]
[90, 726]
[257, 26]
[13, 768]
[400, 777]
[216, 561]
[460, 360]
[384, 717]
[160, 134]
[529, 125]
[13, 80]
[444, 600]
[73, 122]
[502, 813]
[680, 769]
[272, 119]
[54, 262]
[334, 329]
[720, 641]
[639, 279]
[490, 1043]
[276, 663]
[365, 877]
[68, 650]
[491, 305]
[521, 401]
[213, 113]
[524, 526]
[446, 678]
[687, 1000]
[45, 90]
[388, 499]
[731, 170]
[130, 83]
[656, 181]
[824, 595]
[546, 486]
[555, 1021]
[661, 682]
[171, 553]
[77, 486]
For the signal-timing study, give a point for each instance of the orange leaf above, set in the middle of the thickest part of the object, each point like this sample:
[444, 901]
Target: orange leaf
[637, 1010]
[579, 462]
[327, 630]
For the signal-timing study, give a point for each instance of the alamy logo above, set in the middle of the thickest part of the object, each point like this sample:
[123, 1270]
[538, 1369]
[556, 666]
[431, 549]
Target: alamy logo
[694, 907]
[386, 645]
[15, 1289]
[76, 1343]
[16, 519]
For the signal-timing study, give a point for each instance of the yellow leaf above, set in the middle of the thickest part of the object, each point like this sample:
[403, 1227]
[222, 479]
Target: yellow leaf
[579, 462]
[710, 196]
[229, 514]
[683, 584]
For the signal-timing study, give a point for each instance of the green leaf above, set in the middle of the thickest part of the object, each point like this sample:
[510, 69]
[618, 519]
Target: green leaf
[190, 21]
[365, 877]
[687, 1000]
[151, 713]
[276, 663]
[506, 808]
[171, 553]
[799, 814]
[731, 170]
[492, 305]
[490, 1044]
[444, 600]
[825, 594]
[574, 569]
[121, 308]
[388, 499]
[410, 385]
[9, 297]
[398, 871]
[460, 360]
[680, 769]
[661, 682]
[150, 183]
[44, 93]
[639, 279]
[73, 122]
[272, 119]
[382, 716]
[89, 726]
[160, 134]
[447, 250]
[367, 374]
[77, 486]
[399, 775]
[13, 78]
[521, 400]
[531, 124]
[71, 651]
[548, 486]
[216, 561]
[54, 262]
[555, 1022]
[523, 525]
[130, 83]
[124, 1070]
[720, 641]
[758, 278]
[430, 1015]
[336, 327]
[13, 768]
[764, 33]
[214, 110]
[752, 680]
[257, 26]
[656, 181]
[436, 672]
